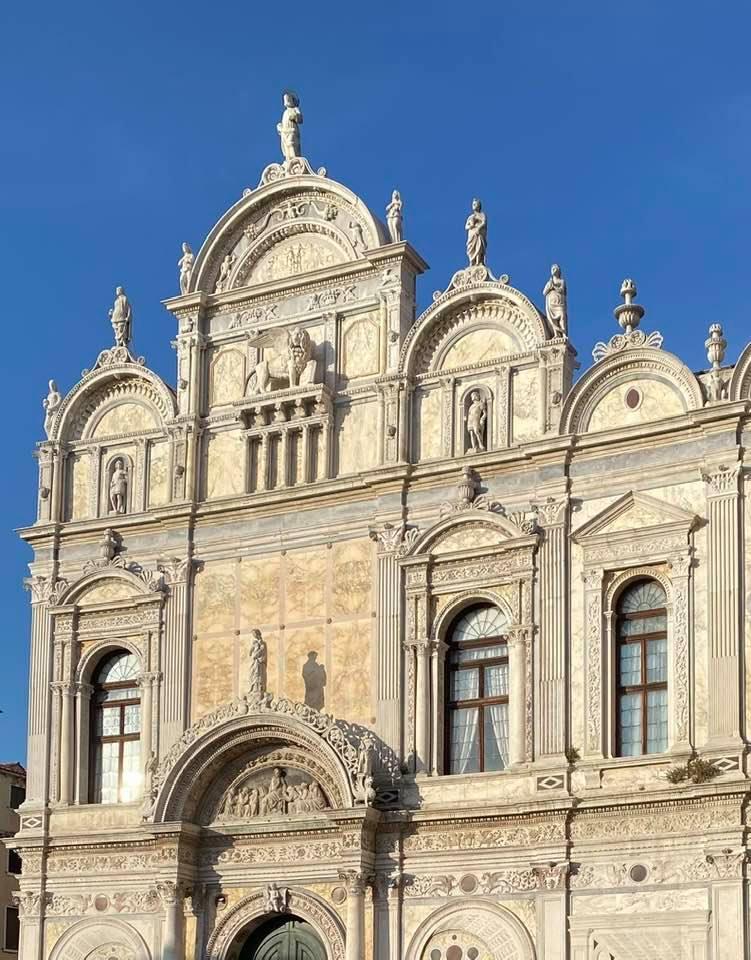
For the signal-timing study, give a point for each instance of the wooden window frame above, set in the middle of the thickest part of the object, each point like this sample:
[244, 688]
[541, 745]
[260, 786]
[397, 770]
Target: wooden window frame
[479, 702]
[644, 688]
[120, 738]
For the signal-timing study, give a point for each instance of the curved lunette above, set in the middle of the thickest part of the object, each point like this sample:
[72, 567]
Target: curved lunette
[589, 390]
[92, 385]
[188, 779]
[77, 587]
[230, 223]
[499, 921]
[531, 332]
[86, 935]
[495, 521]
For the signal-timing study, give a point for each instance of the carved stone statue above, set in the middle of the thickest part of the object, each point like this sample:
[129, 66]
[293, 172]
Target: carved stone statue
[149, 773]
[50, 404]
[477, 235]
[185, 264]
[225, 270]
[121, 317]
[477, 415]
[276, 899]
[299, 367]
[556, 307]
[365, 768]
[108, 546]
[394, 217]
[119, 488]
[289, 126]
[257, 663]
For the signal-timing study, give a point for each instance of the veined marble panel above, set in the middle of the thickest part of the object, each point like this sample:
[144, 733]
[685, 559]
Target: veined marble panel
[358, 436]
[159, 455]
[525, 406]
[125, 418]
[225, 465]
[657, 400]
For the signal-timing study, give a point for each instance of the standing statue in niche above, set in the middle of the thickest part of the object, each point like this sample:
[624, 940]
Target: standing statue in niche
[225, 270]
[314, 678]
[119, 488]
[366, 758]
[121, 317]
[50, 404]
[477, 416]
[185, 264]
[289, 126]
[477, 235]
[556, 308]
[257, 664]
[394, 217]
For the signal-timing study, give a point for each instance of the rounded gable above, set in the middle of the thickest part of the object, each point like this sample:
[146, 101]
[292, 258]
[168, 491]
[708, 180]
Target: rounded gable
[297, 223]
[471, 324]
[629, 388]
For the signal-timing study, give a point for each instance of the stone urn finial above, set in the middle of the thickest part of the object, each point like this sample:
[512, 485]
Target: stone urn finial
[715, 345]
[628, 314]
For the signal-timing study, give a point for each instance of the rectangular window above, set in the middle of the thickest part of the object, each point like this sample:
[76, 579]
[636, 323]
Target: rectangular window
[14, 862]
[17, 797]
[11, 928]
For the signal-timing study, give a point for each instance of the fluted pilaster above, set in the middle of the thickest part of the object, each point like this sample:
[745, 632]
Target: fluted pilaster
[176, 653]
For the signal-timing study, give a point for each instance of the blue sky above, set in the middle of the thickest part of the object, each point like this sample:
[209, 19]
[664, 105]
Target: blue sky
[610, 137]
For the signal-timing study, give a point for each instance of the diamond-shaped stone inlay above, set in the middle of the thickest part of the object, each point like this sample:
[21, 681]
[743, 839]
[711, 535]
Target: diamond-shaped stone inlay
[726, 764]
[551, 782]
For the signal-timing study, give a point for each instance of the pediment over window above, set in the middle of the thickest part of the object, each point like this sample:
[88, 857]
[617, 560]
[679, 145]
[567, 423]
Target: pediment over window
[635, 525]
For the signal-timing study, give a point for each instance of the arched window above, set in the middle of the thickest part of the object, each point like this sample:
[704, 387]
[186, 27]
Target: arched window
[116, 728]
[477, 692]
[642, 670]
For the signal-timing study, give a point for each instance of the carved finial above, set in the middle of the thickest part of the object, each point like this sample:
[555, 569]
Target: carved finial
[394, 217]
[628, 314]
[121, 317]
[109, 544]
[289, 126]
[477, 235]
[185, 265]
[716, 345]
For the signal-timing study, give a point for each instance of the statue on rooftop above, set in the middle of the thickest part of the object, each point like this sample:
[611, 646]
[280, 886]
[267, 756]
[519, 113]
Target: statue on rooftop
[185, 264]
[121, 317]
[394, 217]
[51, 402]
[556, 308]
[289, 126]
[477, 235]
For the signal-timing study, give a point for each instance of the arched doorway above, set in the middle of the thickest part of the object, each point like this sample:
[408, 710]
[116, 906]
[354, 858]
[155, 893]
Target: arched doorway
[283, 938]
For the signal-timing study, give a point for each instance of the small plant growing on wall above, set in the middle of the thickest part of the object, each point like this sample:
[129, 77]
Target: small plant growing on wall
[695, 770]
[572, 755]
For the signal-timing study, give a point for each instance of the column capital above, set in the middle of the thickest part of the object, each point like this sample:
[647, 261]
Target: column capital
[355, 881]
[551, 512]
[84, 690]
[721, 480]
[593, 577]
[63, 687]
[518, 635]
[149, 678]
[170, 892]
[175, 570]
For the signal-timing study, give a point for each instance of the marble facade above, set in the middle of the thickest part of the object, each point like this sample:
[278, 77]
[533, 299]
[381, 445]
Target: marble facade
[310, 476]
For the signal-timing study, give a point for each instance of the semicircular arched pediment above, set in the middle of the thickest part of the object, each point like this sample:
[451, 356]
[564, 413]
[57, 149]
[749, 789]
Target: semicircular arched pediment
[629, 388]
[347, 761]
[256, 237]
[104, 401]
[470, 327]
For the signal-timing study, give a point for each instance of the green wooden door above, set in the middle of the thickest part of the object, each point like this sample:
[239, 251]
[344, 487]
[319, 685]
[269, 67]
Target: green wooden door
[284, 938]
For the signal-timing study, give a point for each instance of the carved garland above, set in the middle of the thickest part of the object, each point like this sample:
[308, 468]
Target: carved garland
[310, 908]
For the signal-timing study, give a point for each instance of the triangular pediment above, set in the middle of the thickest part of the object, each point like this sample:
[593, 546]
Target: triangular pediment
[635, 512]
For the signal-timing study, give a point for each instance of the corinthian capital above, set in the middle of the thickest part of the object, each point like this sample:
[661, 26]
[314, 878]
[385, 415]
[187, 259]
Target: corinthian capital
[551, 511]
[722, 479]
[355, 881]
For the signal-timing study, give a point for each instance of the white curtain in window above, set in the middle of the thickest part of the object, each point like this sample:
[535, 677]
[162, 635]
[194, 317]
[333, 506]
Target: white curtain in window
[499, 721]
[463, 739]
